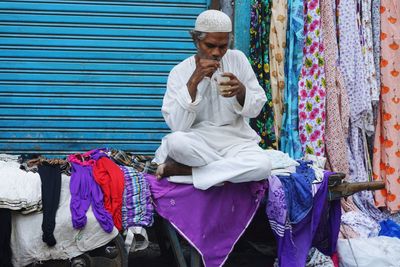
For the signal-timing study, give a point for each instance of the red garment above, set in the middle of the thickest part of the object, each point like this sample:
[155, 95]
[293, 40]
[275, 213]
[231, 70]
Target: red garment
[111, 180]
[335, 259]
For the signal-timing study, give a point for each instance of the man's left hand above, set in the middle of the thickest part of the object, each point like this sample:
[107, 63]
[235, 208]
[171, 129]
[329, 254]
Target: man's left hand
[236, 88]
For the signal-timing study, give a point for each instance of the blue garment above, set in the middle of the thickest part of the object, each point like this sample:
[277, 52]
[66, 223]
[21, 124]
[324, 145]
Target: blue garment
[298, 191]
[290, 141]
[389, 228]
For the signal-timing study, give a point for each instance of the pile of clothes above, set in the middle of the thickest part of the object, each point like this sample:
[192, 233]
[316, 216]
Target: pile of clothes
[110, 181]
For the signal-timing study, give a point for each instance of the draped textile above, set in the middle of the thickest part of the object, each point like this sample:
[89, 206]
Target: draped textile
[212, 220]
[386, 162]
[312, 83]
[353, 69]
[260, 17]
[376, 32]
[290, 142]
[277, 39]
[337, 107]
[367, 48]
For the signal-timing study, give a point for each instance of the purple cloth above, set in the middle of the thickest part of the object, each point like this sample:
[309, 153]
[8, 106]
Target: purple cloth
[294, 245]
[326, 236]
[211, 220]
[85, 191]
[276, 209]
[98, 153]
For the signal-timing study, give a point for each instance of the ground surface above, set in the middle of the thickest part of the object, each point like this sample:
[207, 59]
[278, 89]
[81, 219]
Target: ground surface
[244, 255]
[256, 248]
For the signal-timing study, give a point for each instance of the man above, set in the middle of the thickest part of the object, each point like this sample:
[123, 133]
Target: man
[211, 141]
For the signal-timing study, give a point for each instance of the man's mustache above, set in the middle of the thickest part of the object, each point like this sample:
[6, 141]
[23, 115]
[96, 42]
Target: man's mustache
[217, 58]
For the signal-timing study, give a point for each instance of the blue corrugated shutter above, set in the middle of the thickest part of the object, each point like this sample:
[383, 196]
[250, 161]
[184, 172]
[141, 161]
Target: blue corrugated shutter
[77, 75]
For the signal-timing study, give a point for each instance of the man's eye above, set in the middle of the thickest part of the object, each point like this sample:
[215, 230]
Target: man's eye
[210, 45]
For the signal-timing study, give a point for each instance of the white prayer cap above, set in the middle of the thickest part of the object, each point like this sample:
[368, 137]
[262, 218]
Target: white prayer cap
[213, 21]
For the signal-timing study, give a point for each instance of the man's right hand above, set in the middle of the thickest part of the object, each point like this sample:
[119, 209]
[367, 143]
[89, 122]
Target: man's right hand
[204, 67]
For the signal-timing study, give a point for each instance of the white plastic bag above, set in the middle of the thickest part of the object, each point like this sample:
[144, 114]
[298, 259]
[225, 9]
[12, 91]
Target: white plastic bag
[380, 251]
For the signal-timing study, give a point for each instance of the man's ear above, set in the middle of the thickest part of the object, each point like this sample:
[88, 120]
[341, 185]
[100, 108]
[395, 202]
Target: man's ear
[196, 43]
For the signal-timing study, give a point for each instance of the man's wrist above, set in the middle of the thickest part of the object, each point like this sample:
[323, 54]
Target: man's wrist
[192, 88]
[191, 84]
[241, 97]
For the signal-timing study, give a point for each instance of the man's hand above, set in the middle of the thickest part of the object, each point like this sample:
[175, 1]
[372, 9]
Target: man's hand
[204, 67]
[236, 88]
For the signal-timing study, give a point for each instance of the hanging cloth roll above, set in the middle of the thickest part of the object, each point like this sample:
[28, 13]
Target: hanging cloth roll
[386, 161]
[312, 84]
[290, 142]
[337, 106]
[277, 45]
[263, 124]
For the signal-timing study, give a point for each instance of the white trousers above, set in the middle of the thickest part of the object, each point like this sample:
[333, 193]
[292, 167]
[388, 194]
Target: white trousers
[235, 163]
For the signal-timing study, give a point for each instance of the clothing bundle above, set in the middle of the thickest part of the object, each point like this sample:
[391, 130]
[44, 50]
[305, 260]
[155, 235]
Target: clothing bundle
[111, 181]
[330, 71]
[96, 179]
[297, 209]
[300, 215]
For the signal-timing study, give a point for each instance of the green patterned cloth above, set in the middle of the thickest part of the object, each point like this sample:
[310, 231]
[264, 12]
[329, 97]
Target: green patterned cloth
[259, 59]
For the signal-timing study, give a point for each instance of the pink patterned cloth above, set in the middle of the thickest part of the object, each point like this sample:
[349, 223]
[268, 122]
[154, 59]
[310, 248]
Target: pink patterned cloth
[312, 83]
[337, 106]
[386, 162]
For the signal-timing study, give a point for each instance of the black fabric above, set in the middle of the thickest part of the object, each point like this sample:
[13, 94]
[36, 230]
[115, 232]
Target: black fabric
[51, 188]
[5, 237]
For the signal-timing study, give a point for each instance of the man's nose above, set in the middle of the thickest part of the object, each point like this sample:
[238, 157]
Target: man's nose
[216, 53]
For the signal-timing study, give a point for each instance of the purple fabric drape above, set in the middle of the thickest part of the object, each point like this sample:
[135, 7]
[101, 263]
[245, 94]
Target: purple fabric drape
[211, 220]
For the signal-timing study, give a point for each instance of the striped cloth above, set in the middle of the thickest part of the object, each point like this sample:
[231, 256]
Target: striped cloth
[137, 208]
[141, 163]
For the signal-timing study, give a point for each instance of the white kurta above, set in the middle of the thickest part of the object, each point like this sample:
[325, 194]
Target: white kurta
[212, 133]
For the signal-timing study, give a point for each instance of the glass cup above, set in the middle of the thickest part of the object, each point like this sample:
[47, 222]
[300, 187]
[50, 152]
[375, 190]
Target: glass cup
[222, 88]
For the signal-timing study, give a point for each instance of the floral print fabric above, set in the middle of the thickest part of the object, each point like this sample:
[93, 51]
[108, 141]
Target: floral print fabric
[290, 142]
[351, 61]
[353, 69]
[337, 109]
[367, 48]
[386, 162]
[312, 83]
[263, 124]
[376, 31]
[277, 44]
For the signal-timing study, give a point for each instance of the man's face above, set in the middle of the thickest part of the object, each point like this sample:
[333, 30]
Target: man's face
[213, 46]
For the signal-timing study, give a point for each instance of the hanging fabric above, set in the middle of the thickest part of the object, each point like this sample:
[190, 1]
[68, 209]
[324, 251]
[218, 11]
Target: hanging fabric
[376, 31]
[312, 83]
[277, 44]
[353, 69]
[337, 109]
[263, 124]
[289, 141]
[337, 106]
[365, 7]
[367, 48]
[386, 162]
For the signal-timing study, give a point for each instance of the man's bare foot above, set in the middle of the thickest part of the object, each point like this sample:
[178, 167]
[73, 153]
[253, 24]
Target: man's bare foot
[170, 168]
